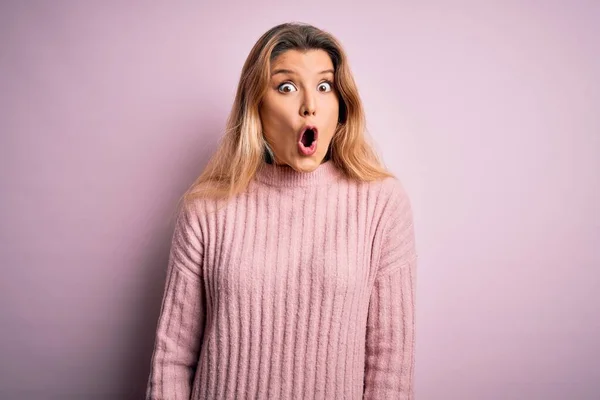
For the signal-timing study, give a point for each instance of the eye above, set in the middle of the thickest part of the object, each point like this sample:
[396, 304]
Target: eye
[328, 86]
[288, 85]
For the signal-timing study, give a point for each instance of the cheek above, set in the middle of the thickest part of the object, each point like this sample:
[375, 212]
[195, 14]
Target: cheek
[273, 113]
[275, 119]
[333, 113]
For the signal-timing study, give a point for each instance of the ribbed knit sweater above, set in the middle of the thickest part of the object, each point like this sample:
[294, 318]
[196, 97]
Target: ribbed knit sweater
[302, 287]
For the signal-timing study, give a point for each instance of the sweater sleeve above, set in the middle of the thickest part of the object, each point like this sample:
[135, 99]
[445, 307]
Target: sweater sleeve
[181, 320]
[390, 337]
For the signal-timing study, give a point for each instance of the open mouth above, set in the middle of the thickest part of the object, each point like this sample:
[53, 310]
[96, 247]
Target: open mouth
[308, 137]
[307, 143]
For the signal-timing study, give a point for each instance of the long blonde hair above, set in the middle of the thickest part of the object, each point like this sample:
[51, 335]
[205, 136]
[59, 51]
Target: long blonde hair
[243, 148]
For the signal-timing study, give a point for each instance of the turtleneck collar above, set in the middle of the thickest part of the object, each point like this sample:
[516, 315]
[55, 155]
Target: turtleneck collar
[286, 176]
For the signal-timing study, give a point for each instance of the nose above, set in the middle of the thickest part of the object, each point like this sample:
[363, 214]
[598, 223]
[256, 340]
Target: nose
[308, 106]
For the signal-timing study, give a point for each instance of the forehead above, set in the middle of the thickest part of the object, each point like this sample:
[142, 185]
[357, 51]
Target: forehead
[310, 61]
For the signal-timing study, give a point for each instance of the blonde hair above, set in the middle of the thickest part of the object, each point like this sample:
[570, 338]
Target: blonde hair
[243, 148]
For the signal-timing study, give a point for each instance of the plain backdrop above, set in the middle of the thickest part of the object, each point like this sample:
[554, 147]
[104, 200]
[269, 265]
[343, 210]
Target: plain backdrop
[488, 111]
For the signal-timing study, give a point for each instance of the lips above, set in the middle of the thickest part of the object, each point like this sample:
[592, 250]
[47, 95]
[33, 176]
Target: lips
[307, 135]
[307, 140]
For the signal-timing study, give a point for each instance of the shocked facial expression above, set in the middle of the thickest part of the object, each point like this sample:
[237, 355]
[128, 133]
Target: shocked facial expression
[299, 112]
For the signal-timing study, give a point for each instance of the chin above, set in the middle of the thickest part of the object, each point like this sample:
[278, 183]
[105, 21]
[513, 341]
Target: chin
[307, 164]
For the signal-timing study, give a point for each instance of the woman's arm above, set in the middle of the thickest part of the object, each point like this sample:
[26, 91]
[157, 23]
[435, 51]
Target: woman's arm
[182, 315]
[390, 340]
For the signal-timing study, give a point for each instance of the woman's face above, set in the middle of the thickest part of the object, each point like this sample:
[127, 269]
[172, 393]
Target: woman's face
[301, 94]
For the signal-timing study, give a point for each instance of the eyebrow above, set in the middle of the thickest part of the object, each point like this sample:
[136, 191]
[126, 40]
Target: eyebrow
[287, 71]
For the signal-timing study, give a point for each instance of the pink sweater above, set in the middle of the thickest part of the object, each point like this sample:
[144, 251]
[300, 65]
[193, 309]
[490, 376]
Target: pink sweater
[300, 288]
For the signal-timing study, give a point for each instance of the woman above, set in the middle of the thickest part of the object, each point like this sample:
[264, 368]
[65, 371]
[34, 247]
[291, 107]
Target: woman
[291, 272]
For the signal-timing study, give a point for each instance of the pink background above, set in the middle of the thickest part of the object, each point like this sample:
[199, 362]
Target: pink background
[488, 111]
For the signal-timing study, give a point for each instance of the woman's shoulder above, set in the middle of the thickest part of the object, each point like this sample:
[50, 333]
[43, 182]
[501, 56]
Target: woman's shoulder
[393, 200]
[200, 206]
[389, 189]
